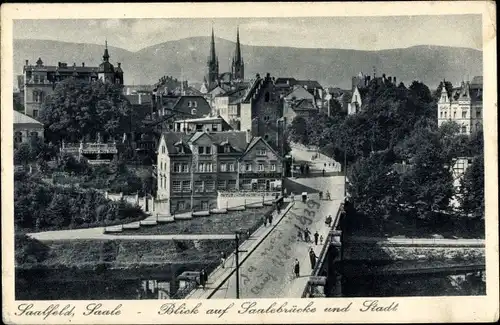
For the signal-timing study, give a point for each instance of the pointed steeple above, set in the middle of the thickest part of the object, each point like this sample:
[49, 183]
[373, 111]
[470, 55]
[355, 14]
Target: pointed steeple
[237, 52]
[105, 57]
[212, 57]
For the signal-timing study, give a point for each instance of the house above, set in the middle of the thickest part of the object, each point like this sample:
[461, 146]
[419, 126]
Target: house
[26, 129]
[182, 106]
[259, 167]
[192, 168]
[228, 105]
[463, 105]
[40, 80]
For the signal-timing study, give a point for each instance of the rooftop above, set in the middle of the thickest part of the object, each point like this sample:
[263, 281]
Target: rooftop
[20, 118]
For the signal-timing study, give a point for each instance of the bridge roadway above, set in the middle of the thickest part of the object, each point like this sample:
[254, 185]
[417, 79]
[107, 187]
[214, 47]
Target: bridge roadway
[268, 272]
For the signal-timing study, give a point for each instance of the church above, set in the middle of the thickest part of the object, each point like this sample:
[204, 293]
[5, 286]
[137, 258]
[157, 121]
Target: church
[213, 78]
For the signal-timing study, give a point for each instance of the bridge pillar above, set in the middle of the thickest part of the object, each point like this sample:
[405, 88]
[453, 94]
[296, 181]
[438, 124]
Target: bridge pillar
[334, 288]
[317, 286]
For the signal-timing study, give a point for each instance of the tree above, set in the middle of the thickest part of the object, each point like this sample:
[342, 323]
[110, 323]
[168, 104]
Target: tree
[23, 154]
[472, 186]
[77, 111]
[298, 130]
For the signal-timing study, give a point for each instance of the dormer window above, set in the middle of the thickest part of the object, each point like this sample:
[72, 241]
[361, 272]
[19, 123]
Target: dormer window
[189, 104]
[193, 111]
[227, 148]
[195, 104]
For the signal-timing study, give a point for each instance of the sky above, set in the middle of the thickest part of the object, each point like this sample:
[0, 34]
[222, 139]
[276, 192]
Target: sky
[361, 33]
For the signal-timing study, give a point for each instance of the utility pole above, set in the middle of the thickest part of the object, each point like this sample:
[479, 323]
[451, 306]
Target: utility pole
[345, 169]
[237, 260]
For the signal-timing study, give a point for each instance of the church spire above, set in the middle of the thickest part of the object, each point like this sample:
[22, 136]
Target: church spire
[237, 53]
[212, 48]
[105, 57]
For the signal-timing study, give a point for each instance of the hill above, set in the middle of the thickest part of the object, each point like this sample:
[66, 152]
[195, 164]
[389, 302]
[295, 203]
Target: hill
[331, 67]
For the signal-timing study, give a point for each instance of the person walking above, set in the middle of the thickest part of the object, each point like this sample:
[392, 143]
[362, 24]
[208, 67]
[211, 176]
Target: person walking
[307, 234]
[321, 240]
[323, 172]
[299, 235]
[296, 268]
[271, 219]
[329, 220]
[202, 278]
[223, 259]
[312, 258]
[316, 237]
[320, 195]
[264, 221]
[291, 194]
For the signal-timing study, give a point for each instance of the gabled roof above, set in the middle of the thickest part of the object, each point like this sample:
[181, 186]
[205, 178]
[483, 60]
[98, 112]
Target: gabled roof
[173, 139]
[256, 140]
[286, 81]
[310, 84]
[477, 81]
[20, 118]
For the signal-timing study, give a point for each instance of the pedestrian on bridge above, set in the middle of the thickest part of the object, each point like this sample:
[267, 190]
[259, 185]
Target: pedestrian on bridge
[264, 221]
[203, 278]
[323, 172]
[321, 195]
[223, 259]
[321, 239]
[296, 268]
[312, 258]
[316, 236]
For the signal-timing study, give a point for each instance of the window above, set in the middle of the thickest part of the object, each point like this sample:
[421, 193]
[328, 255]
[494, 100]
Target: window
[227, 148]
[185, 168]
[180, 205]
[464, 114]
[177, 168]
[248, 167]
[201, 150]
[34, 135]
[205, 167]
[176, 186]
[454, 114]
[163, 149]
[186, 186]
[198, 186]
[261, 167]
[223, 167]
[195, 104]
[221, 185]
[445, 115]
[464, 128]
[209, 186]
[35, 96]
[208, 150]
[193, 111]
[261, 152]
[231, 184]
[266, 118]
[215, 127]
[231, 167]
[478, 113]
[273, 167]
[204, 205]
[441, 114]
[189, 104]
[246, 184]
[261, 184]
[266, 97]
[35, 113]
[18, 137]
[201, 167]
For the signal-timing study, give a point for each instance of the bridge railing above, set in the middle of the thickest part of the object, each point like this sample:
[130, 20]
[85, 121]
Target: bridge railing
[324, 250]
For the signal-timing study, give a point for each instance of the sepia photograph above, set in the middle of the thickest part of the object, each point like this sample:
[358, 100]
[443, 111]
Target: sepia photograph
[182, 159]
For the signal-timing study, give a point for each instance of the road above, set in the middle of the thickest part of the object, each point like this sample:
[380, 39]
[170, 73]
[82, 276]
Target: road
[268, 271]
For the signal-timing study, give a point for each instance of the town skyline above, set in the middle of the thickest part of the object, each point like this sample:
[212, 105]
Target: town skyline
[299, 32]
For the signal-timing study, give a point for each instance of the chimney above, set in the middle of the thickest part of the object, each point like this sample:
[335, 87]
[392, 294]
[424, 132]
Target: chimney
[119, 64]
[257, 76]
[83, 64]
[249, 136]
[74, 64]
[394, 80]
[27, 62]
[390, 79]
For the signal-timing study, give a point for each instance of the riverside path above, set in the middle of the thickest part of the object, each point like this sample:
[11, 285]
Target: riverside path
[268, 272]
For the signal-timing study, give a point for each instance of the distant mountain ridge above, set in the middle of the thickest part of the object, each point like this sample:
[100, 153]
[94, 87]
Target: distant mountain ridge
[186, 59]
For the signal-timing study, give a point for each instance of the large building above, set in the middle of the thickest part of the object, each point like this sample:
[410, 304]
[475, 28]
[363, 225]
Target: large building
[193, 167]
[463, 105]
[40, 80]
[26, 129]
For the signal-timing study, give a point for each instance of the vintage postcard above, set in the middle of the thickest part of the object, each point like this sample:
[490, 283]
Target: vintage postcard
[234, 163]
